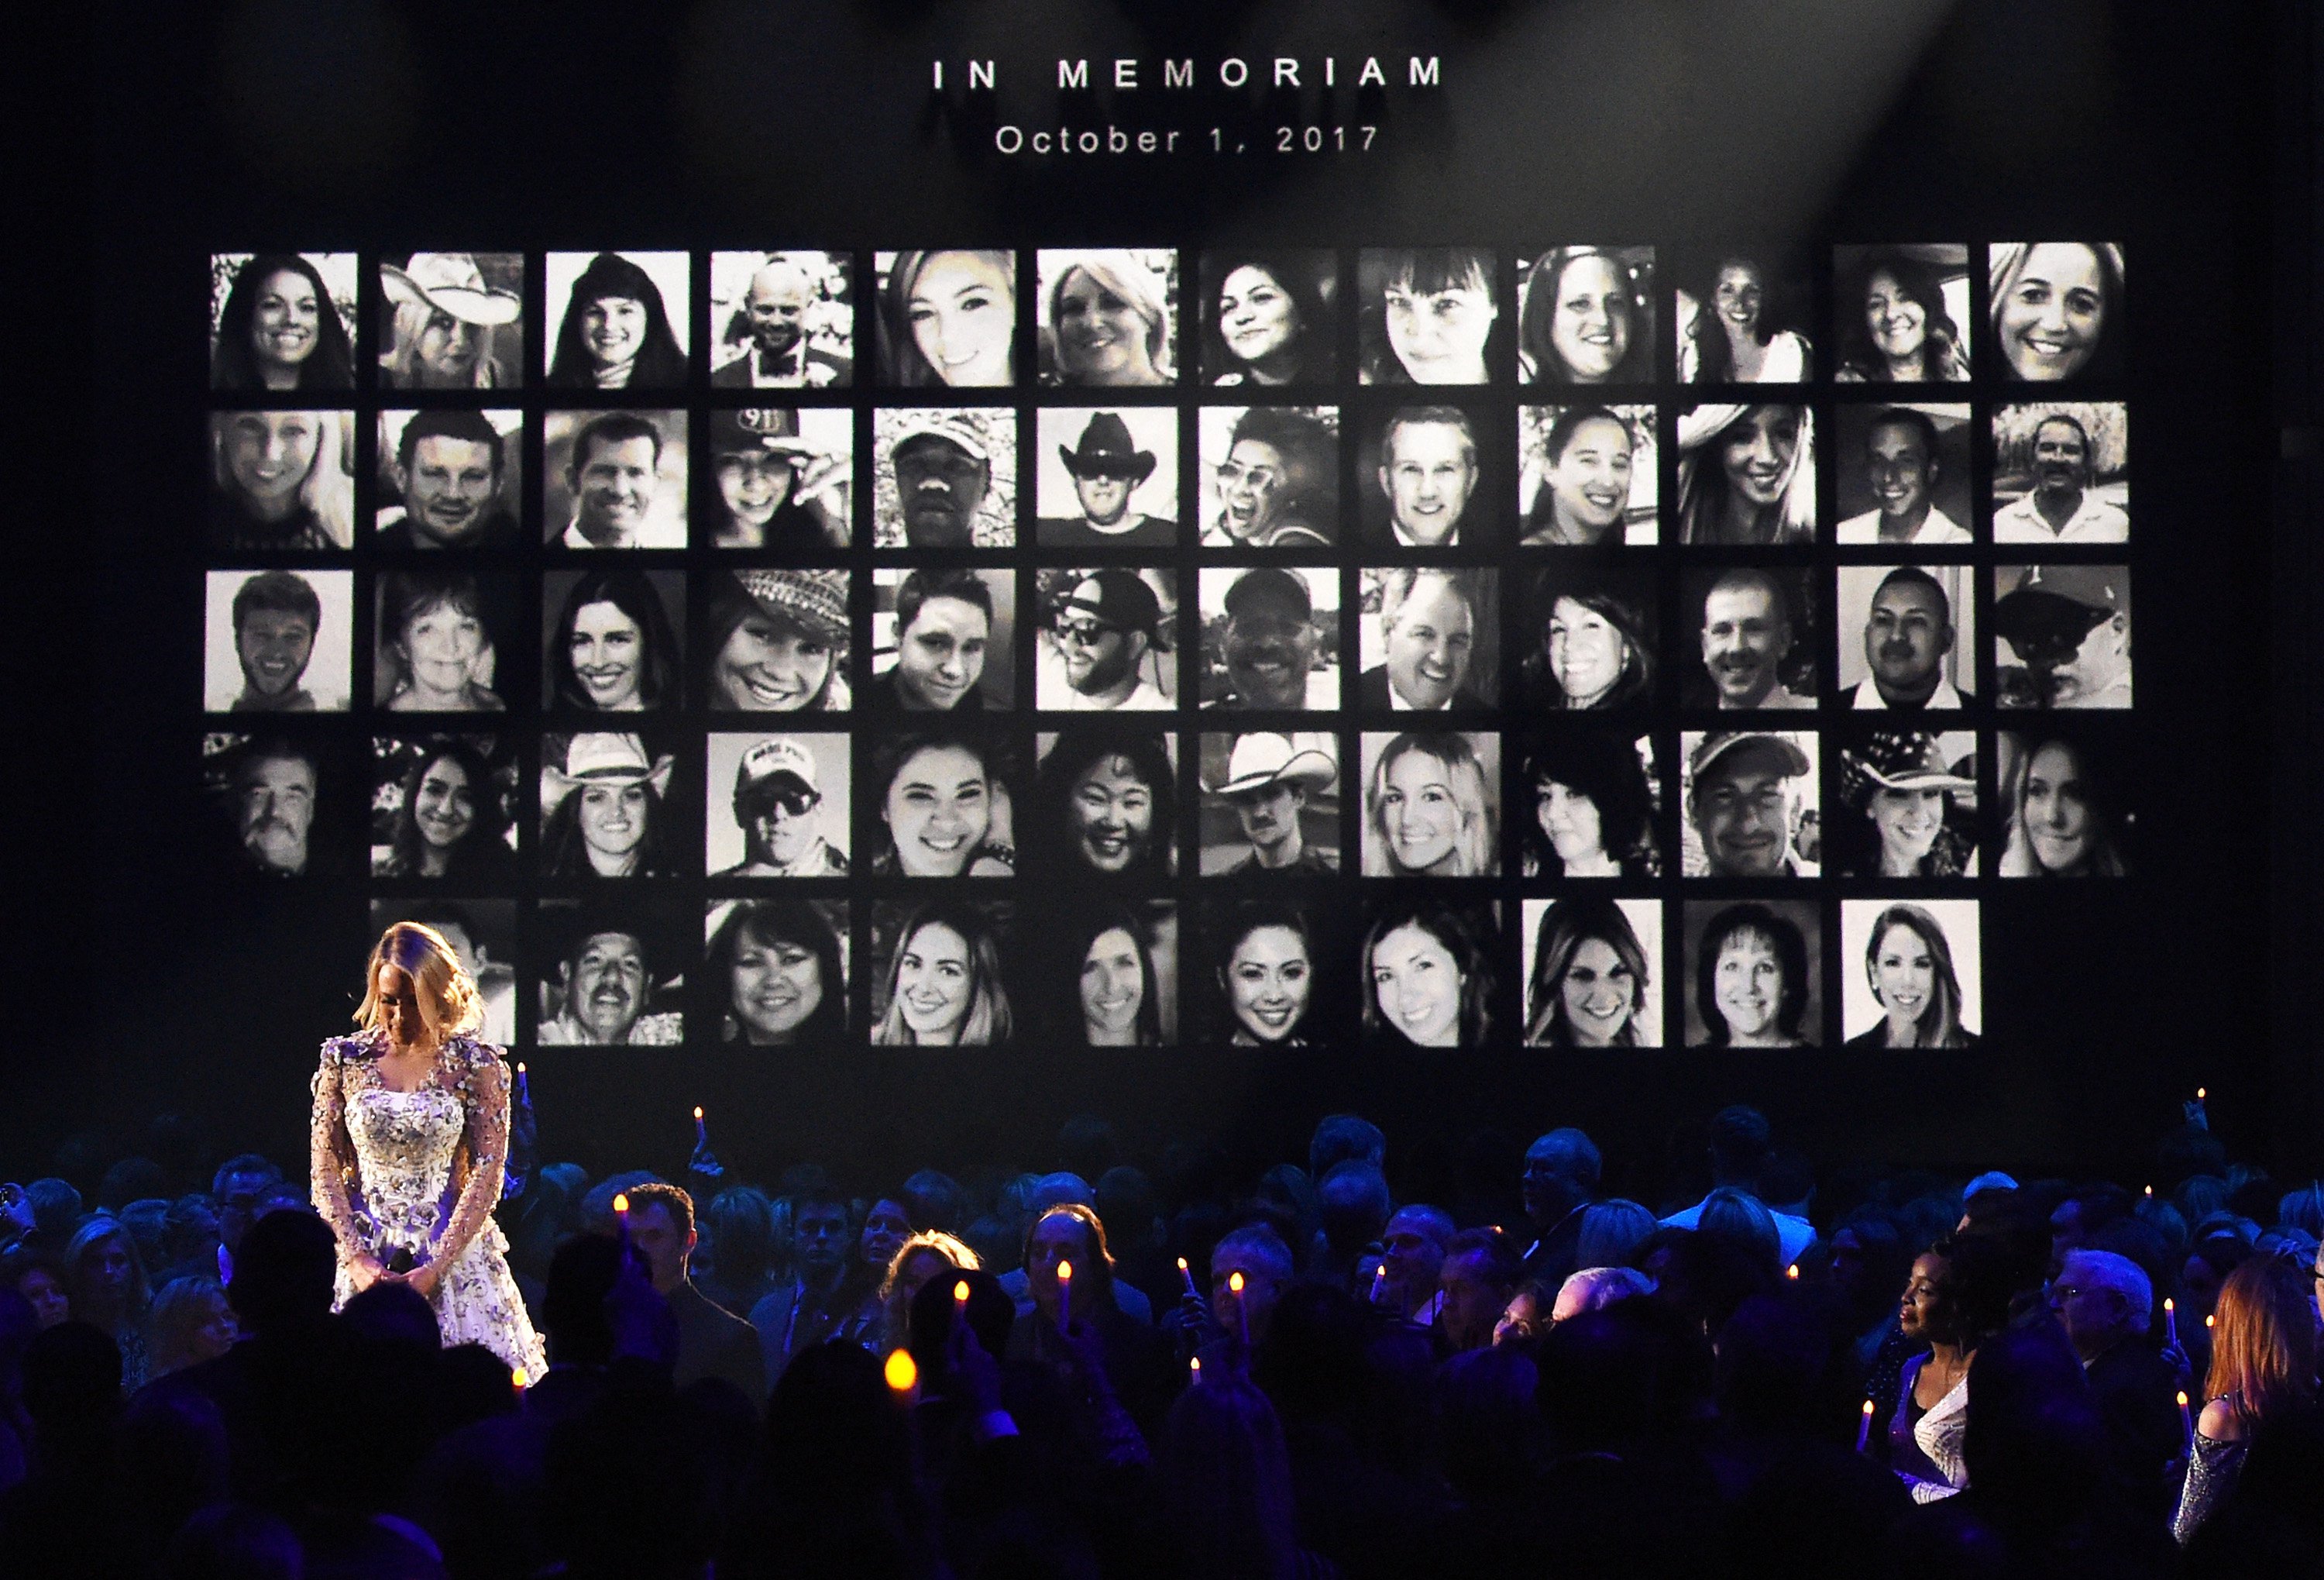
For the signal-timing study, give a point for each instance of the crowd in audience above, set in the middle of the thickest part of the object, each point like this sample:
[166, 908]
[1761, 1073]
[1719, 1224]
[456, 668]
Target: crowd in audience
[1166, 1368]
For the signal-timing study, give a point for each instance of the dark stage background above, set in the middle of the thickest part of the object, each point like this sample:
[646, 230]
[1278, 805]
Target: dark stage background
[142, 985]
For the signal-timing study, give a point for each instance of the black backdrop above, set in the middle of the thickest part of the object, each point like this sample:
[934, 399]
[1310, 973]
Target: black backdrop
[138, 986]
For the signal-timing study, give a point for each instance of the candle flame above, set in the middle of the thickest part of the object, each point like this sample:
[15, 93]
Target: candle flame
[2199, 1093]
[697, 1112]
[2167, 1306]
[2182, 1402]
[902, 1371]
[1181, 1264]
[520, 1067]
[1234, 1283]
[2210, 1322]
[1195, 1365]
[622, 1202]
[960, 1293]
[1792, 1272]
[1868, 1407]
[516, 1379]
[1065, 1273]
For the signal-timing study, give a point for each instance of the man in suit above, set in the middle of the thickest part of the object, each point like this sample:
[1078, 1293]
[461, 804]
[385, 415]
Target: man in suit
[1428, 625]
[779, 357]
[712, 1342]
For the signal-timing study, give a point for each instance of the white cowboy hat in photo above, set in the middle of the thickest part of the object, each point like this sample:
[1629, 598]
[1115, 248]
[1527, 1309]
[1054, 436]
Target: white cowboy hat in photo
[1263, 758]
[451, 282]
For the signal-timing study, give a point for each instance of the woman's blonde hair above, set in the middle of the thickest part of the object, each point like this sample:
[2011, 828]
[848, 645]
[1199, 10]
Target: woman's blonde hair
[1473, 797]
[328, 489]
[895, 1317]
[450, 1003]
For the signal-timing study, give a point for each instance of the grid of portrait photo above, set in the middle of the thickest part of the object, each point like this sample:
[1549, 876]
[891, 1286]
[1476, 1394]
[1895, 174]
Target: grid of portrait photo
[841, 649]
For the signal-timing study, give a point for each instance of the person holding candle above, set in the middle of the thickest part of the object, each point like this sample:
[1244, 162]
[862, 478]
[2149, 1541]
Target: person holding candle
[712, 1341]
[1255, 1257]
[1077, 1327]
[2263, 1356]
[927, 1255]
[2107, 1303]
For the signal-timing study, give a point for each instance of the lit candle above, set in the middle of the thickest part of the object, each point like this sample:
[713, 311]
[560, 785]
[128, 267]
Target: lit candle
[2210, 1322]
[2170, 1320]
[1186, 1273]
[1242, 1312]
[1864, 1428]
[1379, 1281]
[1793, 1271]
[621, 1219]
[516, 1379]
[2199, 1093]
[2149, 1190]
[1064, 1295]
[2186, 1419]
[1194, 1366]
[903, 1373]
[700, 1135]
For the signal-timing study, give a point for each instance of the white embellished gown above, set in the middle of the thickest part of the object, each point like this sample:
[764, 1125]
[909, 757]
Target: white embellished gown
[420, 1171]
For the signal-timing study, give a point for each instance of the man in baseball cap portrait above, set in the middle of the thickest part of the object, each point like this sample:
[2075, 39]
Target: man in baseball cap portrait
[942, 461]
[2069, 626]
[1267, 783]
[778, 807]
[1268, 644]
[1746, 793]
[1108, 469]
[1102, 634]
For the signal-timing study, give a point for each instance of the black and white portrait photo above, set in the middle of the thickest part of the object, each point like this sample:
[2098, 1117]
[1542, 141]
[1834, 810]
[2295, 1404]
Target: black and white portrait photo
[1427, 971]
[1430, 315]
[281, 803]
[1587, 476]
[2057, 310]
[281, 481]
[2062, 636]
[1270, 477]
[1900, 315]
[944, 477]
[942, 640]
[1902, 476]
[612, 639]
[1270, 318]
[1750, 804]
[1424, 481]
[1106, 641]
[452, 321]
[1108, 318]
[775, 971]
[1270, 638]
[941, 801]
[278, 641]
[1907, 636]
[1589, 632]
[938, 978]
[782, 479]
[2065, 803]
[282, 321]
[776, 805]
[445, 808]
[449, 479]
[1427, 639]
[1586, 316]
[2060, 473]
[439, 637]
[776, 641]
[1106, 479]
[611, 973]
[782, 320]
[1740, 316]
[609, 808]
[1107, 970]
[1754, 975]
[482, 934]
[1585, 801]
[1747, 476]
[623, 320]
[1104, 802]
[1908, 805]
[1592, 969]
[614, 479]
[1909, 973]
[1756, 638]
[1272, 804]
[1432, 804]
[1274, 972]
[947, 319]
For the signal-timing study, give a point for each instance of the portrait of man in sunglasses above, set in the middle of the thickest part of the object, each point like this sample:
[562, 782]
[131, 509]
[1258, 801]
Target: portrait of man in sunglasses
[1101, 633]
[778, 807]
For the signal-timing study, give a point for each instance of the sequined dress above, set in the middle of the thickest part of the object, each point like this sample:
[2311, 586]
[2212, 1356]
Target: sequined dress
[420, 1171]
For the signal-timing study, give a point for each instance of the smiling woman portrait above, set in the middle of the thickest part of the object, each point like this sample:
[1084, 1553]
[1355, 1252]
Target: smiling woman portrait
[776, 974]
[1432, 808]
[943, 808]
[944, 985]
[1108, 320]
[1267, 318]
[1427, 974]
[1589, 977]
[1909, 962]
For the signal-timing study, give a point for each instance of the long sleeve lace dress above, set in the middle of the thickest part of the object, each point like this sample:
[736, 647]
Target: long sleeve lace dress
[419, 1171]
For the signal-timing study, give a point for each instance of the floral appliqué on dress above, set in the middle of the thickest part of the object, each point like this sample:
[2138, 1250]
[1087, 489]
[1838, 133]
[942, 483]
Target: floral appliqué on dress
[419, 1171]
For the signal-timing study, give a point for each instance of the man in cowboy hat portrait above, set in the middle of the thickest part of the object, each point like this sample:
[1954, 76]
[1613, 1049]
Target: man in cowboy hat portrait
[1108, 471]
[1257, 815]
[1747, 794]
[778, 807]
[1427, 477]
[2069, 626]
[450, 470]
[1099, 636]
[602, 980]
[780, 488]
[604, 809]
[941, 491]
[776, 307]
[1908, 635]
[452, 321]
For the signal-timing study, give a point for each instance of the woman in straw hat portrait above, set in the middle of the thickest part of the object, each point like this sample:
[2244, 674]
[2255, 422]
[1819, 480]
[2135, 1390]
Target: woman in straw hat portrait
[603, 813]
[776, 641]
[451, 322]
